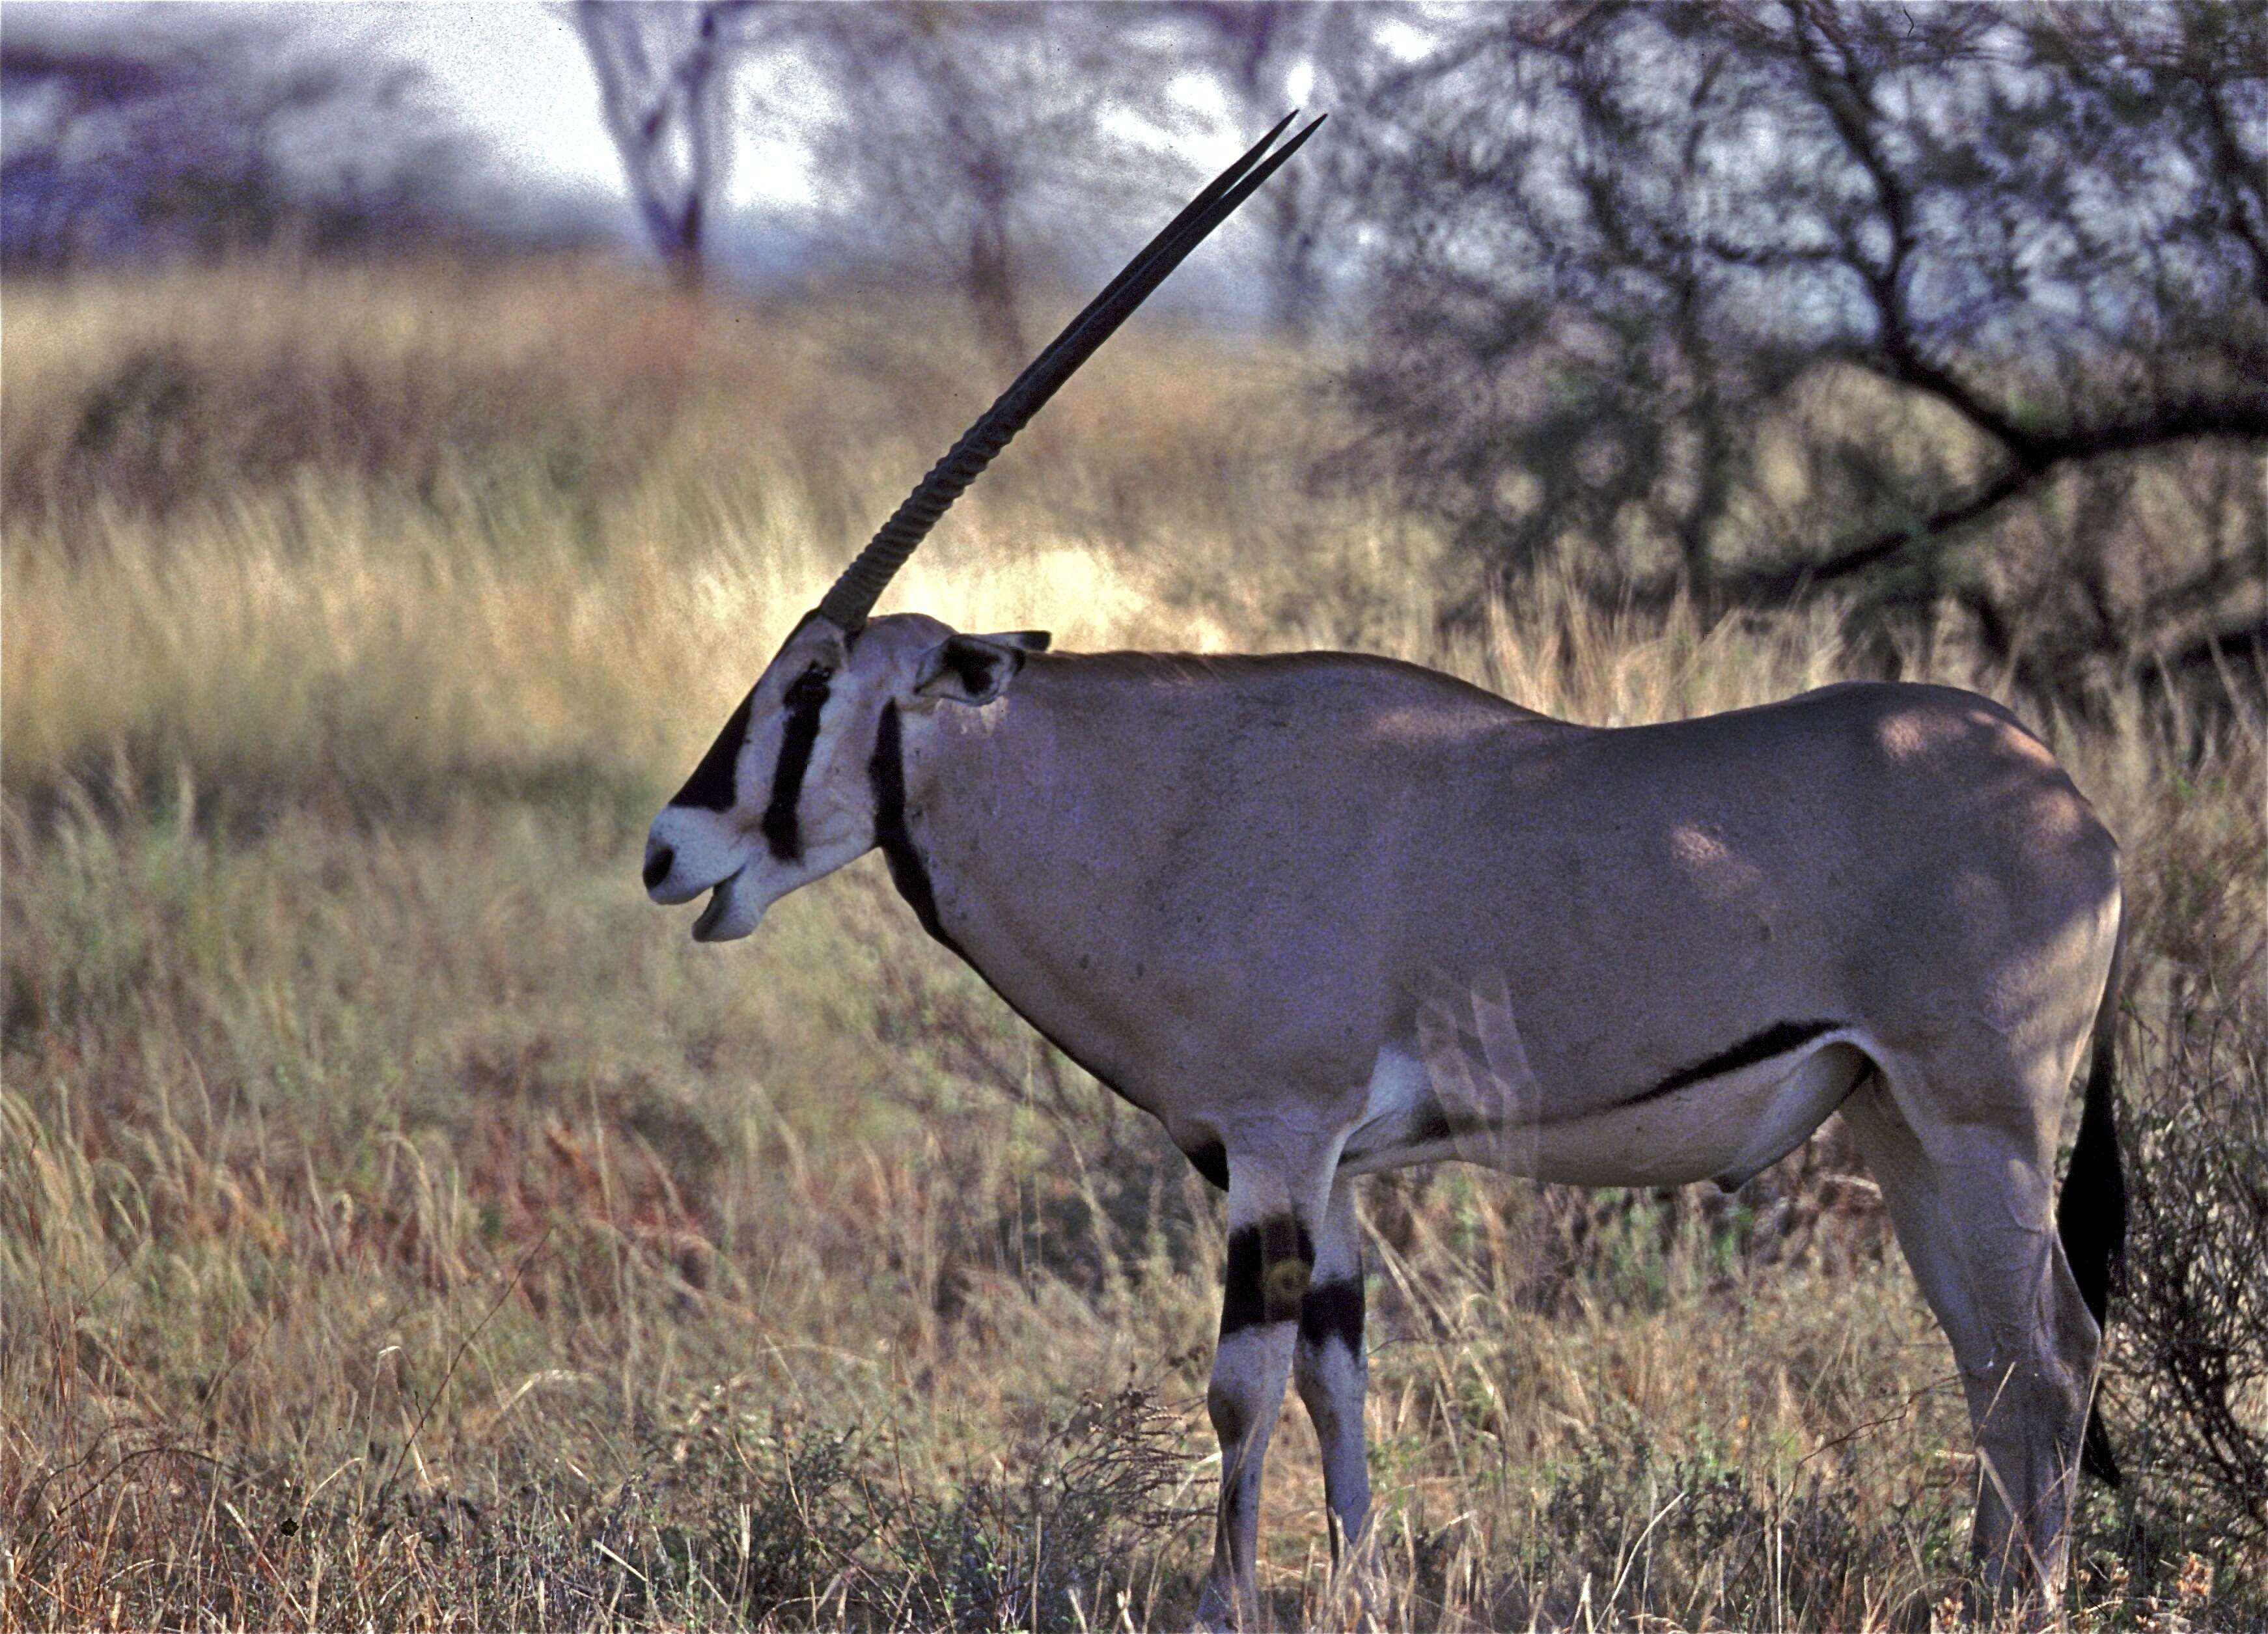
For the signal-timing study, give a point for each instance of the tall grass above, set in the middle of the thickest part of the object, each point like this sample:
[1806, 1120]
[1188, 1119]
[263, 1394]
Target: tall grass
[401, 1221]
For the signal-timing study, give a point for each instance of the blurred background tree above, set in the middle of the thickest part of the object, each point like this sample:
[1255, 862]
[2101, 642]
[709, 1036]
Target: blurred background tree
[970, 141]
[671, 91]
[1263, 57]
[213, 136]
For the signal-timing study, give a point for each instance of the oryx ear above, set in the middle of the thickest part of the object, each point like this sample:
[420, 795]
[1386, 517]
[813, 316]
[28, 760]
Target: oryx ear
[974, 669]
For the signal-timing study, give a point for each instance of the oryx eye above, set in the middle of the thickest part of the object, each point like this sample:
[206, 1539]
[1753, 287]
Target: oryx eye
[807, 691]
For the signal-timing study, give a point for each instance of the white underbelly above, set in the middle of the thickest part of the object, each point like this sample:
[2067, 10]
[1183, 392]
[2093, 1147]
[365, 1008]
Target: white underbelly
[1726, 1128]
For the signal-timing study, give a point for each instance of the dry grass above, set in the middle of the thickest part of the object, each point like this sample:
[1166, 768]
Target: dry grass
[400, 1222]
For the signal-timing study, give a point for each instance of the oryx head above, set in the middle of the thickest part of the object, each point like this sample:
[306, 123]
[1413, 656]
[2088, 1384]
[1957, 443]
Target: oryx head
[794, 785]
[789, 790]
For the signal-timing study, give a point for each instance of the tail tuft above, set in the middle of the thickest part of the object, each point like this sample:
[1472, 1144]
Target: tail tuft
[2095, 1455]
[2091, 1213]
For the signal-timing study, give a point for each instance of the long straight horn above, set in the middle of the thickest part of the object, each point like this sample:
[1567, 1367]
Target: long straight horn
[854, 594]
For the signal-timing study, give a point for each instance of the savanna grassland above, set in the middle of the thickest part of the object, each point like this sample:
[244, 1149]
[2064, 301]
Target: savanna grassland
[402, 1223]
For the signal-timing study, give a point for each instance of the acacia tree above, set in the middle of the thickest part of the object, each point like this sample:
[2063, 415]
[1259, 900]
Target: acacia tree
[1935, 304]
[961, 138]
[669, 93]
[1267, 56]
[958, 140]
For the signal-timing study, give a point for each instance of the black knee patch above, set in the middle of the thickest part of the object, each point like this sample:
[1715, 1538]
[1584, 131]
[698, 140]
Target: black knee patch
[1268, 1268]
[1287, 1259]
[1333, 1311]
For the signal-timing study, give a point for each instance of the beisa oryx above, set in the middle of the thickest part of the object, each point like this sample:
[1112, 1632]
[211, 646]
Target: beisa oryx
[1323, 915]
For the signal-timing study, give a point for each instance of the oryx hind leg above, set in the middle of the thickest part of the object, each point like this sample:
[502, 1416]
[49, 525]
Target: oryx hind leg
[1333, 1371]
[1972, 1200]
[1278, 1198]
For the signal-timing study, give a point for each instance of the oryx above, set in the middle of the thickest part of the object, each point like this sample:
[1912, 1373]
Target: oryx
[1248, 893]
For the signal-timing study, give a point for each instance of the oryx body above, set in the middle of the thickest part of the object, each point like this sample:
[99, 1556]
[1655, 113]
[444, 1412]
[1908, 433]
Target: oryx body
[1324, 914]
[1250, 894]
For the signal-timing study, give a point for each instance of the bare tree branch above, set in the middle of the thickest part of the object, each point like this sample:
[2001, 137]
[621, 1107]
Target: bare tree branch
[666, 87]
[1755, 299]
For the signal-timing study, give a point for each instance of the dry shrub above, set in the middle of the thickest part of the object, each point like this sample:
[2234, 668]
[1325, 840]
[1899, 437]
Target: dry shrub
[726, 1516]
[740, 1513]
[2188, 1379]
[2189, 1382]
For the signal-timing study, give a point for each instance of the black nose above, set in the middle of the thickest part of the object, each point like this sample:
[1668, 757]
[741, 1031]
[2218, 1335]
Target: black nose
[657, 865]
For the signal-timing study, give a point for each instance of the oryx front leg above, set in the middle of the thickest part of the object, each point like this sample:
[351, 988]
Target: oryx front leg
[1274, 1212]
[1333, 1370]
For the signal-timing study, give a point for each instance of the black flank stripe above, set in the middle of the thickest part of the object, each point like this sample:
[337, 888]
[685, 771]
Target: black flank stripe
[710, 785]
[1333, 1310]
[1776, 1040]
[807, 696]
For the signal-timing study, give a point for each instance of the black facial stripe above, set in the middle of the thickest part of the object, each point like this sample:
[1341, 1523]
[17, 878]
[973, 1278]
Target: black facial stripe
[1776, 1040]
[886, 772]
[1333, 1310]
[1264, 1261]
[807, 695]
[710, 785]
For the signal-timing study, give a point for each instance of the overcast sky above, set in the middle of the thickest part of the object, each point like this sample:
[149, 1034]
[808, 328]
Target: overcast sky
[511, 68]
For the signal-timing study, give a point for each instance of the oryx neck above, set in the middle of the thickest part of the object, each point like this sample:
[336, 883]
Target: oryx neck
[909, 867]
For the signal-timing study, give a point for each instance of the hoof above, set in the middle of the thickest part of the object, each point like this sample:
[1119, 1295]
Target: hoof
[1217, 1611]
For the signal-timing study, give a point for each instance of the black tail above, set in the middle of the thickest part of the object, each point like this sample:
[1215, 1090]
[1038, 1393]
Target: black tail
[2091, 1213]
